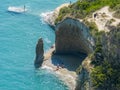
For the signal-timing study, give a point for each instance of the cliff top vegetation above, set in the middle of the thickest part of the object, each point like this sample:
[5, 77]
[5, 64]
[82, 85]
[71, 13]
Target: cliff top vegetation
[106, 57]
[82, 8]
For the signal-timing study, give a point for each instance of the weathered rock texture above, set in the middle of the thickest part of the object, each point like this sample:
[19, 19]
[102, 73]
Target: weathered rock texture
[39, 54]
[84, 81]
[72, 36]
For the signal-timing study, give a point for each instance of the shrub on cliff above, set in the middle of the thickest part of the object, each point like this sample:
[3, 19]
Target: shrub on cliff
[105, 77]
[64, 11]
[117, 14]
[81, 9]
[117, 11]
[106, 74]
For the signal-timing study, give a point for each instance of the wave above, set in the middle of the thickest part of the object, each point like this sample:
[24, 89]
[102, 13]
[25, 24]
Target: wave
[47, 40]
[46, 67]
[46, 16]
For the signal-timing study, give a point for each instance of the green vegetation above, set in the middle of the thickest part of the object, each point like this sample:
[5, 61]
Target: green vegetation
[106, 73]
[117, 11]
[63, 12]
[81, 9]
[106, 57]
[117, 14]
[106, 77]
[93, 28]
[79, 69]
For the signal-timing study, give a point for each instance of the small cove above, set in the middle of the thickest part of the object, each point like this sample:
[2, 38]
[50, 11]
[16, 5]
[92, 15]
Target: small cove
[19, 34]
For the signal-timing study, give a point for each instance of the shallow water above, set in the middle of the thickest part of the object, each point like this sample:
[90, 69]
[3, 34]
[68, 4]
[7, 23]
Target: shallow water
[19, 34]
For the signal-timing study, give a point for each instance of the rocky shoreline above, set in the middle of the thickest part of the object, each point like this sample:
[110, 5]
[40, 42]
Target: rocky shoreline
[68, 77]
[72, 44]
[80, 46]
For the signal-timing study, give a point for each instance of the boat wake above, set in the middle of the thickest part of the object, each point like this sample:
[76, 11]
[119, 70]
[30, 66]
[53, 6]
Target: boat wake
[17, 9]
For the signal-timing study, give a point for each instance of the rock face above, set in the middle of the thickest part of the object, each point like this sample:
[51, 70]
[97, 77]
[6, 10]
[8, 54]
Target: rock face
[39, 54]
[72, 36]
[84, 80]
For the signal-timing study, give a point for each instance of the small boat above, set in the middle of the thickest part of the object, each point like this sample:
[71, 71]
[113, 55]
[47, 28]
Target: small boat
[16, 9]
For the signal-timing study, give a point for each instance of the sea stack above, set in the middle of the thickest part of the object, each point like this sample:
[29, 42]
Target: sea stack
[72, 36]
[39, 53]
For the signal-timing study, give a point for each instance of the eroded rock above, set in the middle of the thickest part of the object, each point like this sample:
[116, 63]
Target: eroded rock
[72, 36]
[39, 53]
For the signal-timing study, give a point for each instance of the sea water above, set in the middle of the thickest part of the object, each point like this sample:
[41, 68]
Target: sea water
[19, 33]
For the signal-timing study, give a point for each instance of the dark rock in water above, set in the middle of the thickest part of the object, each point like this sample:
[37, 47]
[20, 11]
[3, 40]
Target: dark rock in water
[39, 53]
[72, 36]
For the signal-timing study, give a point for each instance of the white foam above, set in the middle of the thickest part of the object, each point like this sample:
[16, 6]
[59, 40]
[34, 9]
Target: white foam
[46, 67]
[46, 16]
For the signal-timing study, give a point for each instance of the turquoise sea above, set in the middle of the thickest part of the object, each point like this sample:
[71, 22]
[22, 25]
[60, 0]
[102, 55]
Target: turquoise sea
[19, 34]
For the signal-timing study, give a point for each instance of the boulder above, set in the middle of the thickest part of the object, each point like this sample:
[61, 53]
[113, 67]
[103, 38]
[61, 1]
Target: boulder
[72, 36]
[39, 53]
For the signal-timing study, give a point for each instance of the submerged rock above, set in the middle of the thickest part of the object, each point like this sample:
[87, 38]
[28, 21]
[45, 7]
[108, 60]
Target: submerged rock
[72, 36]
[39, 53]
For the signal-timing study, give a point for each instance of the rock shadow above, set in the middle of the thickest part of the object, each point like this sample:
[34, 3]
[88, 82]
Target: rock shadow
[69, 61]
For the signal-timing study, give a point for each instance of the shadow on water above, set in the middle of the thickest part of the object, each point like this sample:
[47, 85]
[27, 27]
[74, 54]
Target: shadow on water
[14, 12]
[69, 61]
